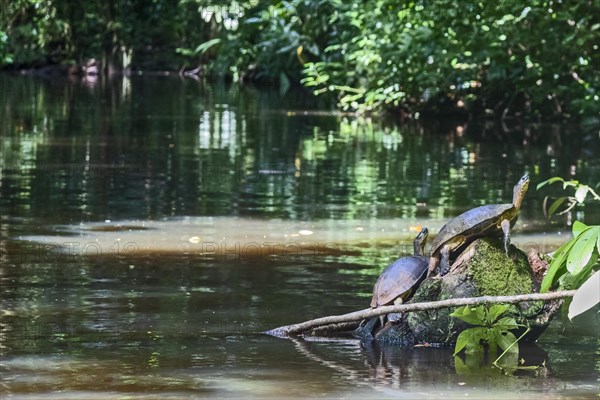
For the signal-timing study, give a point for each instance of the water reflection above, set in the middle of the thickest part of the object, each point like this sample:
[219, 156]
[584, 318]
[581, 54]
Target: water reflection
[149, 148]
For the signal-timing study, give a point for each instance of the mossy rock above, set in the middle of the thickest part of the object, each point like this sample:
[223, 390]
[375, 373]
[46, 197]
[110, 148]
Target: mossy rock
[494, 274]
[482, 269]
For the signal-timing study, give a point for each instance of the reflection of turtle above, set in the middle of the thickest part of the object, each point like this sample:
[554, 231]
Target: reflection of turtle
[398, 281]
[478, 222]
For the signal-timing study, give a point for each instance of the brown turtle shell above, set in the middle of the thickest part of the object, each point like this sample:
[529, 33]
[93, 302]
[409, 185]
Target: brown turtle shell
[399, 279]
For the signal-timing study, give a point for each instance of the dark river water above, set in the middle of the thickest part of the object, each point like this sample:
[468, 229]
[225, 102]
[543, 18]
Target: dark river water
[111, 194]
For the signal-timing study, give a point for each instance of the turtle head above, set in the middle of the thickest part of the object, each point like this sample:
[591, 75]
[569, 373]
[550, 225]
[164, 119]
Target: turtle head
[520, 190]
[420, 241]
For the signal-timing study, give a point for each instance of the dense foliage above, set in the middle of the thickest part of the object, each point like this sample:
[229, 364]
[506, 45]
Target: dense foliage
[506, 57]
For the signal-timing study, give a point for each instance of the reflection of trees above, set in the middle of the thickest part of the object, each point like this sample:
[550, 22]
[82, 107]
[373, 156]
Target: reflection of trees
[156, 147]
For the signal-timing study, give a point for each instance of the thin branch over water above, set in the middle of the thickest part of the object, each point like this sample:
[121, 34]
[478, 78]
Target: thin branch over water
[295, 329]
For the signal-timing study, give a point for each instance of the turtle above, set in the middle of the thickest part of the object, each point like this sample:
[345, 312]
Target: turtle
[398, 280]
[488, 220]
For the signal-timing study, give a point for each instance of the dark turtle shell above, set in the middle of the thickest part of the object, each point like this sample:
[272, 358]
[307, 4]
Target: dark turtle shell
[480, 221]
[399, 279]
[472, 224]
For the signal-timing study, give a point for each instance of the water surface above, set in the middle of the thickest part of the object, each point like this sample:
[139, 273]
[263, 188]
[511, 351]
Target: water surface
[149, 170]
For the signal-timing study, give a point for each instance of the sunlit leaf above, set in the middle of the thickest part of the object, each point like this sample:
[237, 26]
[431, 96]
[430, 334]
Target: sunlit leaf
[586, 297]
[469, 314]
[203, 48]
[549, 181]
[578, 227]
[559, 258]
[582, 250]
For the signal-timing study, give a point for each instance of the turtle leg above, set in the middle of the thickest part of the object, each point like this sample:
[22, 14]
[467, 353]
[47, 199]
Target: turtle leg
[445, 260]
[506, 229]
[394, 317]
[382, 318]
[433, 262]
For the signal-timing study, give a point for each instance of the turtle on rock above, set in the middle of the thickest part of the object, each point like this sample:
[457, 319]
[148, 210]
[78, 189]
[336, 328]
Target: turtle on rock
[489, 220]
[399, 280]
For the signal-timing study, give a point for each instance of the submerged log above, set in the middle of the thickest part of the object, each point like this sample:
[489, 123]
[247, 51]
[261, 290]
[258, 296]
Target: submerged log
[482, 269]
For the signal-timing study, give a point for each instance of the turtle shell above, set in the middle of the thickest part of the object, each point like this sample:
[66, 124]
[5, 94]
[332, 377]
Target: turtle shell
[472, 224]
[398, 279]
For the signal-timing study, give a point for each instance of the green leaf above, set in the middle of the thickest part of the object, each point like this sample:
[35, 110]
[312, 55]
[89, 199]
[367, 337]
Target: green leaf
[506, 323]
[506, 339]
[476, 336]
[203, 48]
[462, 341]
[570, 183]
[578, 227]
[549, 181]
[582, 250]
[496, 311]
[586, 297]
[470, 340]
[555, 204]
[560, 257]
[471, 315]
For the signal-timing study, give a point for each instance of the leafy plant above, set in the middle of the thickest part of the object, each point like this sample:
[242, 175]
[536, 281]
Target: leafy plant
[489, 329]
[579, 197]
[574, 262]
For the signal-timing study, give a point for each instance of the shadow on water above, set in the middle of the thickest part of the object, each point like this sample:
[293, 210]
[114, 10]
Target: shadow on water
[191, 174]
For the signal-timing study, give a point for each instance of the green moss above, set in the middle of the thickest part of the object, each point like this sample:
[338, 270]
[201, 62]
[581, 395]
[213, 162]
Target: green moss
[494, 274]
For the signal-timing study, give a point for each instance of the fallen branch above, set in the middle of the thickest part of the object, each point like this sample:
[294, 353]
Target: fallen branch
[289, 330]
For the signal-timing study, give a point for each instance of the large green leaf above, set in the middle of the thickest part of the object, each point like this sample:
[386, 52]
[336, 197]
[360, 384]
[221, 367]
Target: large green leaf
[510, 359]
[476, 336]
[586, 297]
[462, 341]
[578, 227]
[505, 339]
[582, 249]
[560, 256]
